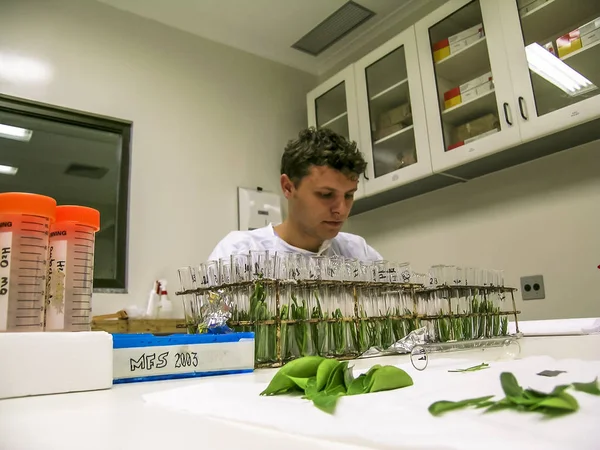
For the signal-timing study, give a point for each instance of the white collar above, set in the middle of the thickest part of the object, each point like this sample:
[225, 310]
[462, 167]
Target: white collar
[322, 249]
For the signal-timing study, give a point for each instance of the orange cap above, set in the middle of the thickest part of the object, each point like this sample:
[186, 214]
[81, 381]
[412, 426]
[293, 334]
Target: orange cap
[25, 203]
[78, 214]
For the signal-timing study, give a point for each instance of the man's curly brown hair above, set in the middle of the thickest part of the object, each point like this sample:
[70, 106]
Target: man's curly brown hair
[321, 147]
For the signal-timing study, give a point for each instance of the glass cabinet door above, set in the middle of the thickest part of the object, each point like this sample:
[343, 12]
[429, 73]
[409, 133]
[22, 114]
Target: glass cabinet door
[554, 46]
[332, 105]
[392, 130]
[467, 84]
[331, 110]
[391, 114]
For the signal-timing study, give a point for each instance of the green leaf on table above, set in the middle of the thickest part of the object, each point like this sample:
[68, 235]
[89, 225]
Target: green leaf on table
[299, 368]
[556, 403]
[486, 404]
[369, 377]
[325, 402]
[358, 386]
[442, 406]
[336, 378]
[300, 382]
[324, 371]
[311, 388]
[510, 386]
[523, 400]
[348, 376]
[562, 401]
[472, 369]
[324, 381]
[499, 406]
[339, 389]
[590, 388]
[388, 378]
[533, 393]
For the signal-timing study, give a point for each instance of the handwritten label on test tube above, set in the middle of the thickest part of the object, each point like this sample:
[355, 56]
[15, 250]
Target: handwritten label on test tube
[5, 253]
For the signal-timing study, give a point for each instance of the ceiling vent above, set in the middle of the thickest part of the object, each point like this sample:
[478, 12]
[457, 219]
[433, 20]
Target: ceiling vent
[80, 170]
[335, 27]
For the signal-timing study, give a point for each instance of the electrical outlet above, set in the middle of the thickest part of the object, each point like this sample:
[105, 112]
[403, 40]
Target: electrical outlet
[532, 287]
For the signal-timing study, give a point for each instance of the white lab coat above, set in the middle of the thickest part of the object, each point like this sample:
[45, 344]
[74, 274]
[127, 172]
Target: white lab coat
[240, 242]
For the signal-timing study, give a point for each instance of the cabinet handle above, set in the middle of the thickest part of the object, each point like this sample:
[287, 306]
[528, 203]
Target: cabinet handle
[506, 114]
[521, 109]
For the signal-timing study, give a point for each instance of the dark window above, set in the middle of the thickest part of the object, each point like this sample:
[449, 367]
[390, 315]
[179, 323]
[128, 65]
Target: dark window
[78, 159]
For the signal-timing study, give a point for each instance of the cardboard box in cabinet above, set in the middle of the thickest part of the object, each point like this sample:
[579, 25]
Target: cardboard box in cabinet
[583, 36]
[406, 158]
[568, 43]
[550, 47]
[590, 32]
[474, 138]
[475, 128]
[589, 27]
[469, 90]
[478, 91]
[456, 42]
[399, 115]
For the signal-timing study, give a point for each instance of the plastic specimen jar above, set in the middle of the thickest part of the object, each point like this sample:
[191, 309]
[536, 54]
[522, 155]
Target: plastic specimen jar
[71, 269]
[25, 221]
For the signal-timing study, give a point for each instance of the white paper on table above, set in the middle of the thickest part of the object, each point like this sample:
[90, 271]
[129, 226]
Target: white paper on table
[557, 327]
[400, 418]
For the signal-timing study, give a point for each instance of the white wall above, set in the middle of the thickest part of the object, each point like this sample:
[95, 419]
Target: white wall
[542, 217]
[207, 118]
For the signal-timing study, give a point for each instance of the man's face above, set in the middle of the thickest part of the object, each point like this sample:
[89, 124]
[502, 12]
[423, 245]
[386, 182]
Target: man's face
[321, 202]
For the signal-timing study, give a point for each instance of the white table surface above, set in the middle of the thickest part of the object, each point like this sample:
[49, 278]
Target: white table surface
[118, 418]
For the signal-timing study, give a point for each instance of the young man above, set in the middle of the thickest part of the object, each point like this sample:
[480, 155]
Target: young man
[319, 176]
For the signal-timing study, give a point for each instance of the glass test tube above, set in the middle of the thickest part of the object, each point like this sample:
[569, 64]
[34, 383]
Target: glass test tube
[494, 349]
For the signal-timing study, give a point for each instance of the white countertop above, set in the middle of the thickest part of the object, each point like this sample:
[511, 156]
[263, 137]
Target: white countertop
[119, 418]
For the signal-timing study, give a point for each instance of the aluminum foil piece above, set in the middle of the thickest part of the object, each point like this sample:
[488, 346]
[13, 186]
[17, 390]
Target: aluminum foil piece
[404, 345]
[215, 312]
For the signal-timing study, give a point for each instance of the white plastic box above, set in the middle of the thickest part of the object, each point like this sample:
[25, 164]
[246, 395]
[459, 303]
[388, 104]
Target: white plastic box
[37, 363]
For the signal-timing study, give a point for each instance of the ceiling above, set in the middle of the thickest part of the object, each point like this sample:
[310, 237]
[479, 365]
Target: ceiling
[268, 28]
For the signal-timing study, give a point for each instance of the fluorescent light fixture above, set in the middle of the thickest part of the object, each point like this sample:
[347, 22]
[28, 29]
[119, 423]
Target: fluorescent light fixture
[8, 170]
[16, 133]
[554, 70]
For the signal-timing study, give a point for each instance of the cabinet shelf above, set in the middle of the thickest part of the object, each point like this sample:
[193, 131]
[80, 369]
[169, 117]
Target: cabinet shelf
[335, 119]
[559, 16]
[465, 64]
[393, 87]
[396, 140]
[477, 107]
[586, 61]
[389, 98]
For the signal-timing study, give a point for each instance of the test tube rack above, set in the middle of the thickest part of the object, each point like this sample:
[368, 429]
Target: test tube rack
[343, 319]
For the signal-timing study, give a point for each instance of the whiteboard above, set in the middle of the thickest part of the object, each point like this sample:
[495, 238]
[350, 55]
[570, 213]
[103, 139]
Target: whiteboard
[258, 208]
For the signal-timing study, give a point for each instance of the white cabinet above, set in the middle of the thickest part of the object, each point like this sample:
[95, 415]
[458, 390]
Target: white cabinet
[474, 87]
[467, 85]
[391, 115]
[556, 88]
[332, 105]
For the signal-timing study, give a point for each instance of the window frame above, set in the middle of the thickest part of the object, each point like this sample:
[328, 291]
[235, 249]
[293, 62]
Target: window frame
[117, 284]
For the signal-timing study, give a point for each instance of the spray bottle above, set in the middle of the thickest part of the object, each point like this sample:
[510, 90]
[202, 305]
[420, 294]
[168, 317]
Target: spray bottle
[165, 306]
